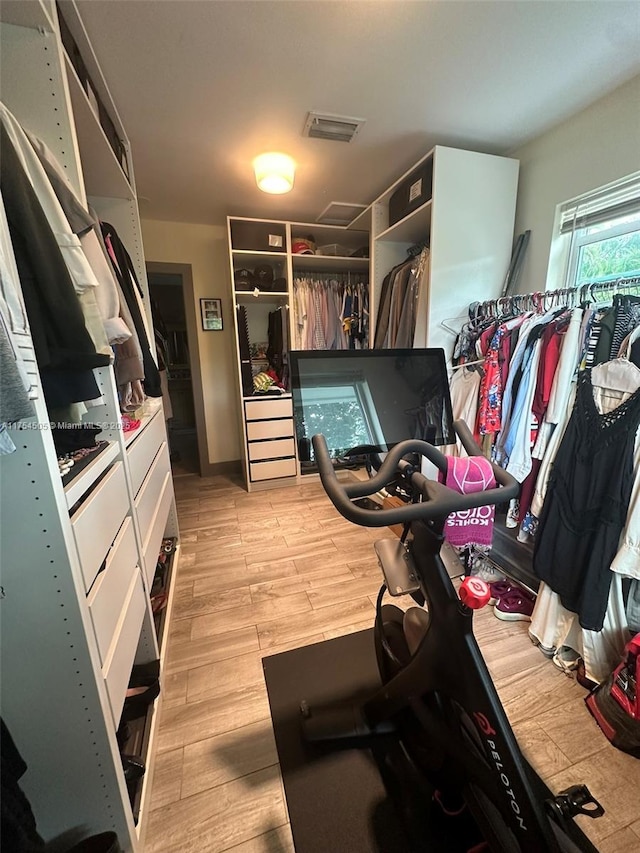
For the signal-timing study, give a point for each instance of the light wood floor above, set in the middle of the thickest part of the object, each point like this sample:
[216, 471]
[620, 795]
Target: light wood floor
[270, 571]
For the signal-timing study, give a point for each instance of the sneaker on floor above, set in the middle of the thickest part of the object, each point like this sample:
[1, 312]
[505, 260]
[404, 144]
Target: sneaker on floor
[489, 573]
[566, 659]
[547, 651]
[515, 606]
[502, 588]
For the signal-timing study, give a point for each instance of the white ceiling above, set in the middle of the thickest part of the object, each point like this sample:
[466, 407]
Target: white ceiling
[203, 87]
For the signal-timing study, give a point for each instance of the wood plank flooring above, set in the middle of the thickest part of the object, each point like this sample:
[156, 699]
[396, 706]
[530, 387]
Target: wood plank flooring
[263, 573]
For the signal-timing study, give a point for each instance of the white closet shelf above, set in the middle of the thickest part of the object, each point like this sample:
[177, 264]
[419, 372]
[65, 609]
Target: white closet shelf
[328, 263]
[103, 174]
[262, 294]
[74, 490]
[363, 220]
[412, 228]
[33, 15]
[256, 254]
[285, 396]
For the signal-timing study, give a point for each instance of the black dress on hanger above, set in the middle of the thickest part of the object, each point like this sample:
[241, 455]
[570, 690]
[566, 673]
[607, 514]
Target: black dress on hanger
[586, 505]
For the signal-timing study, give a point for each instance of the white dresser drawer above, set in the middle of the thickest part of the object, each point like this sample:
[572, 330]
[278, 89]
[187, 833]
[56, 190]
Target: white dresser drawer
[282, 428]
[151, 545]
[149, 494]
[98, 520]
[143, 448]
[109, 591]
[262, 410]
[272, 470]
[117, 669]
[271, 449]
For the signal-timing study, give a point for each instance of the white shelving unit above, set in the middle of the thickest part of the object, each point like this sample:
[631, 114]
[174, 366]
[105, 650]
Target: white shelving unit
[78, 560]
[467, 224]
[269, 446]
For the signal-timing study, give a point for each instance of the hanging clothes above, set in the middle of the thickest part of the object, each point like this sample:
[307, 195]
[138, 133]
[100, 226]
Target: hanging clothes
[330, 312]
[64, 348]
[398, 308]
[125, 273]
[587, 502]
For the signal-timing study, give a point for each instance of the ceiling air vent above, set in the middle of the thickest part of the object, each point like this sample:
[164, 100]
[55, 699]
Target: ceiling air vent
[340, 213]
[328, 126]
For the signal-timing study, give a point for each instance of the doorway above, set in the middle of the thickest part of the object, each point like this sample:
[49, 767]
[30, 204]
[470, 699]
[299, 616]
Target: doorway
[172, 306]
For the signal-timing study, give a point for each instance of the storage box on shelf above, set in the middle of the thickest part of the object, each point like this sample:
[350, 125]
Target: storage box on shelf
[461, 204]
[79, 557]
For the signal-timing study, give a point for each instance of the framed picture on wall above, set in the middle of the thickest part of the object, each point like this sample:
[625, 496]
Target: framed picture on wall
[211, 313]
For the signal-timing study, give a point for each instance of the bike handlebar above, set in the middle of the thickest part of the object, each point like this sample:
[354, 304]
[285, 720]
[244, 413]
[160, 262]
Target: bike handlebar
[440, 500]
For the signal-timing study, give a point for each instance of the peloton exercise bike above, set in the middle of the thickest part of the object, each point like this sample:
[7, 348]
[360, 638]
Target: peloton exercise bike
[437, 699]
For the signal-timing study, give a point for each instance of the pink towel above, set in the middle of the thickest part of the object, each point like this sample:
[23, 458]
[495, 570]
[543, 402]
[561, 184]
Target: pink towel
[472, 526]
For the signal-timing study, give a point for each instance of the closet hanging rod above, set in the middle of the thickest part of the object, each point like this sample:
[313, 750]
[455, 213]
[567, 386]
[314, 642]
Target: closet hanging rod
[541, 299]
[467, 364]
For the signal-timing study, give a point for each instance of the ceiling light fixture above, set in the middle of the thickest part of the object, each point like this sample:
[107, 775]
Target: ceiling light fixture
[274, 172]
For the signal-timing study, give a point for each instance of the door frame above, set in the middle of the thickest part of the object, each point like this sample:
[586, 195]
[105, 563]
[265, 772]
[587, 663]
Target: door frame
[188, 295]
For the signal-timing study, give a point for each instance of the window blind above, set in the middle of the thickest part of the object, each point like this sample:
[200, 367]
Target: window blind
[603, 205]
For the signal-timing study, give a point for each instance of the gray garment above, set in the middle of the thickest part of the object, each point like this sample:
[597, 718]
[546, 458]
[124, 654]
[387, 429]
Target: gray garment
[633, 607]
[14, 399]
[12, 311]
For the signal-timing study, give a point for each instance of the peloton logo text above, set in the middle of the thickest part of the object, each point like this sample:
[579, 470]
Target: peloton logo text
[486, 728]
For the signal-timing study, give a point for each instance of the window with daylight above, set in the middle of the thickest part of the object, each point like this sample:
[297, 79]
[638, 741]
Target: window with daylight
[604, 232]
[344, 413]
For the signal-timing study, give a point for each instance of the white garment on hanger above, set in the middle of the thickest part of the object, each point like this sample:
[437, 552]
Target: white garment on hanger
[554, 626]
[464, 388]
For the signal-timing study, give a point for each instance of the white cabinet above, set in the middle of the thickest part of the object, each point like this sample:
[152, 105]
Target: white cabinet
[465, 216]
[78, 560]
[467, 224]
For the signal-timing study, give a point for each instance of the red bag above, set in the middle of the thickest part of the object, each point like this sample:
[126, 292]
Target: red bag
[615, 703]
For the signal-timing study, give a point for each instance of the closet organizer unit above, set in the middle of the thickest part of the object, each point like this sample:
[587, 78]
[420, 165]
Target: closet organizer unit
[263, 301]
[78, 560]
[465, 215]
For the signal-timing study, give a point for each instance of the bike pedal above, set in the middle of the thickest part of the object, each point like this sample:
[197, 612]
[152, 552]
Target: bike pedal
[574, 801]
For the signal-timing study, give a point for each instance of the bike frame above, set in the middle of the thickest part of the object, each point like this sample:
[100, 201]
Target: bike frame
[449, 664]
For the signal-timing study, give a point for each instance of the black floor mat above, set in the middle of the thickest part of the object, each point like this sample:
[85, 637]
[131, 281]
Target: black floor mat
[337, 800]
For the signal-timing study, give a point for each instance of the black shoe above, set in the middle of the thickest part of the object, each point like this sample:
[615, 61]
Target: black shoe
[133, 767]
[137, 705]
[105, 842]
[144, 670]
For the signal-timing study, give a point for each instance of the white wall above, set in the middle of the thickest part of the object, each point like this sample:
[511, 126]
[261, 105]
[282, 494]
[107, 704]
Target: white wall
[594, 147]
[205, 248]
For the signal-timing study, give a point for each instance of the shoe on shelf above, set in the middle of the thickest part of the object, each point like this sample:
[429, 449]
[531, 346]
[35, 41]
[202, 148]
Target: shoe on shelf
[133, 767]
[515, 606]
[144, 673]
[138, 700]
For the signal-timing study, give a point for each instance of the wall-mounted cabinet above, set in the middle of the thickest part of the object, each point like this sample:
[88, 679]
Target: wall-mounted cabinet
[467, 224]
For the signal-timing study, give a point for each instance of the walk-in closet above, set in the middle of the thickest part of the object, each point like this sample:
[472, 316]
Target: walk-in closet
[319, 426]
